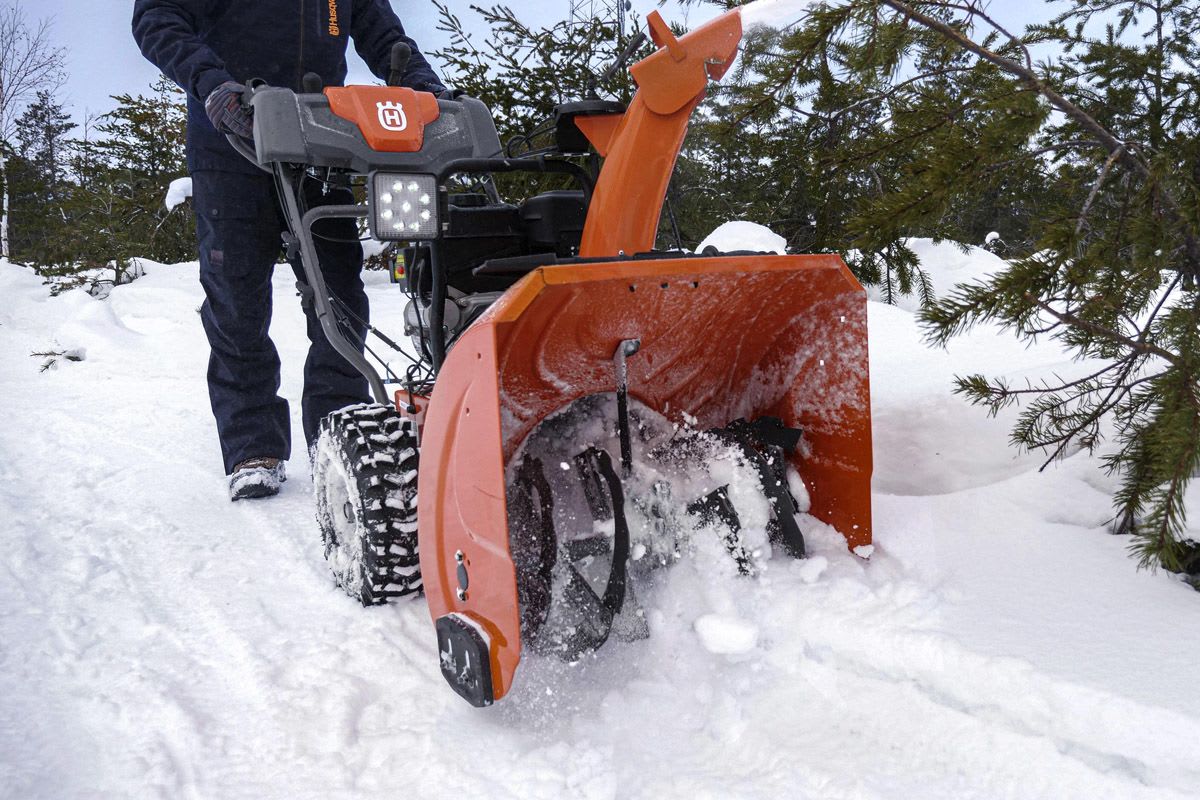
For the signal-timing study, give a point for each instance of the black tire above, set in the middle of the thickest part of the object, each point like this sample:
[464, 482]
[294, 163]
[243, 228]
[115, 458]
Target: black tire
[365, 477]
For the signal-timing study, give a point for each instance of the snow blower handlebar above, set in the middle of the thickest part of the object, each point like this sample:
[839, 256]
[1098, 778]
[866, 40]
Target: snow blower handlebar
[389, 135]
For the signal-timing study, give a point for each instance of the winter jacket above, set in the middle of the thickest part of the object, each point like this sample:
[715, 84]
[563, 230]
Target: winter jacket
[200, 44]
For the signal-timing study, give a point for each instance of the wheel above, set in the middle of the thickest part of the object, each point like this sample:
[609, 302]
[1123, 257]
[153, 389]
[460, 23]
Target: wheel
[365, 477]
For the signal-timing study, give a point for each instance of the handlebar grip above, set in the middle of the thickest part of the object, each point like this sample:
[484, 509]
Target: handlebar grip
[401, 55]
[252, 85]
[312, 83]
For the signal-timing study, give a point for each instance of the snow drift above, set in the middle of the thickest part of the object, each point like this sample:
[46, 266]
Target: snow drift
[160, 641]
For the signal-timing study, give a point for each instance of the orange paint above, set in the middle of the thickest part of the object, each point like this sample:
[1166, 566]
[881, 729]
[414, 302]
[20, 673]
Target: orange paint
[413, 407]
[391, 119]
[600, 129]
[641, 152]
[722, 339]
[727, 338]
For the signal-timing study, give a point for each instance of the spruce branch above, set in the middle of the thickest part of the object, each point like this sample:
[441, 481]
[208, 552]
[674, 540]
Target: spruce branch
[1170, 206]
[1068, 318]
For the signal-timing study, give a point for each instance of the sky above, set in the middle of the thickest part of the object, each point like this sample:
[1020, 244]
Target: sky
[102, 59]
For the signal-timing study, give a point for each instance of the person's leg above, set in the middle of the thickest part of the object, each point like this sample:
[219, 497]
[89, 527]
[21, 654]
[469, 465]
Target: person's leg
[238, 228]
[330, 382]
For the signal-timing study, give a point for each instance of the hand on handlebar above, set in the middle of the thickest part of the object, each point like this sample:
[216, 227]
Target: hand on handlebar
[228, 113]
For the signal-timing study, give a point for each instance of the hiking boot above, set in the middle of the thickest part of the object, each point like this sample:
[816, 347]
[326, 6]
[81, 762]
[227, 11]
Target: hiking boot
[256, 477]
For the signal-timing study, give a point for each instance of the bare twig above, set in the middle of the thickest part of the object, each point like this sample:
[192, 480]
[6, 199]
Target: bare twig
[1092, 195]
[28, 64]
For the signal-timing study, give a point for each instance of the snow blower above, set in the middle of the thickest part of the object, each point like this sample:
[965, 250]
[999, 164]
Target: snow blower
[577, 404]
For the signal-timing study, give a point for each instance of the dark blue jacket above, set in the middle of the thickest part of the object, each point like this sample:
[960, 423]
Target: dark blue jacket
[200, 44]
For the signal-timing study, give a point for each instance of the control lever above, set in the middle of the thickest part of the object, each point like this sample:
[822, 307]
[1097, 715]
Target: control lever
[312, 83]
[252, 86]
[401, 54]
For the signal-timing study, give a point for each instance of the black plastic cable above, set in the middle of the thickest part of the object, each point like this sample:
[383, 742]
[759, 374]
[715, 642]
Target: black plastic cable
[674, 221]
[341, 312]
[370, 328]
[305, 208]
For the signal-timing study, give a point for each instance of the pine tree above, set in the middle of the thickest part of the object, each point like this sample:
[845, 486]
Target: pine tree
[845, 131]
[1116, 275]
[40, 184]
[522, 72]
[122, 176]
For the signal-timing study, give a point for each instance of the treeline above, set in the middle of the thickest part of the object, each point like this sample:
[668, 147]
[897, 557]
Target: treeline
[91, 196]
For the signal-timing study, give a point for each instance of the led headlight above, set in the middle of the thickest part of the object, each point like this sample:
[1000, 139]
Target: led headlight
[404, 206]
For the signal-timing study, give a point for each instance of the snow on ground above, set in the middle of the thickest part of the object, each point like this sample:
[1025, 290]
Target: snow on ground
[159, 641]
[945, 264]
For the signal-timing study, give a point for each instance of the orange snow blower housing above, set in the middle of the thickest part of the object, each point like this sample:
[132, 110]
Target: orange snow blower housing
[714, 340]
[488, 478]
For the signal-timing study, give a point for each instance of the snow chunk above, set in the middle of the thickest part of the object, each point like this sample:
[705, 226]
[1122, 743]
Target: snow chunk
[812, 568]
[799, 490]
[991, 237]
[179, 191]
[864, 551]
[744, 236]
[373, 247]
[773, 13]
[726, 636]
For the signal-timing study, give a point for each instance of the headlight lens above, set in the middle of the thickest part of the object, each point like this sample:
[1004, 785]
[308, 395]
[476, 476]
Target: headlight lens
[404, 207]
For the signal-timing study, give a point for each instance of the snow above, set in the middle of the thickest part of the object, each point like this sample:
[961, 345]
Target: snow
[813, 567]
[157, 640]
[721, 635]
[945, 264]
[774, 13]
[733, 236]
[179, 192]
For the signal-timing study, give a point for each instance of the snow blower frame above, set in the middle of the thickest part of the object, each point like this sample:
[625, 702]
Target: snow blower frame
[521, 312]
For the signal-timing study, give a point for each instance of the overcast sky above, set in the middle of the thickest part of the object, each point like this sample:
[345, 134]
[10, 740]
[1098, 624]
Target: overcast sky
[102, 59]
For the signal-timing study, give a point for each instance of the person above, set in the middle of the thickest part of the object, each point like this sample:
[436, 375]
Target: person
[211, 48]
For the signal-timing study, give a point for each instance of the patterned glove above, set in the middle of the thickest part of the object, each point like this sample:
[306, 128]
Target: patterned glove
[224, 107]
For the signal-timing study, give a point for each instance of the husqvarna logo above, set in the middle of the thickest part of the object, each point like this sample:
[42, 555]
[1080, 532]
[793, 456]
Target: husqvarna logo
[392, 116]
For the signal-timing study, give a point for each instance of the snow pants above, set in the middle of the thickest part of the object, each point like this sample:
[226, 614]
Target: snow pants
[239, 225]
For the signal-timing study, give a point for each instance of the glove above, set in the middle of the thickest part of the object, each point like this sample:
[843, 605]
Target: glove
[449, 94]
[224, 107]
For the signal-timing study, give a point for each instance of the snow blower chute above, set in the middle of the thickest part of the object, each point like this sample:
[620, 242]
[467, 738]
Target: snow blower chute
[581, 399]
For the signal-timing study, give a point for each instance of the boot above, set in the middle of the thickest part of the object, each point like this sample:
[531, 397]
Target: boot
[256, 477]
